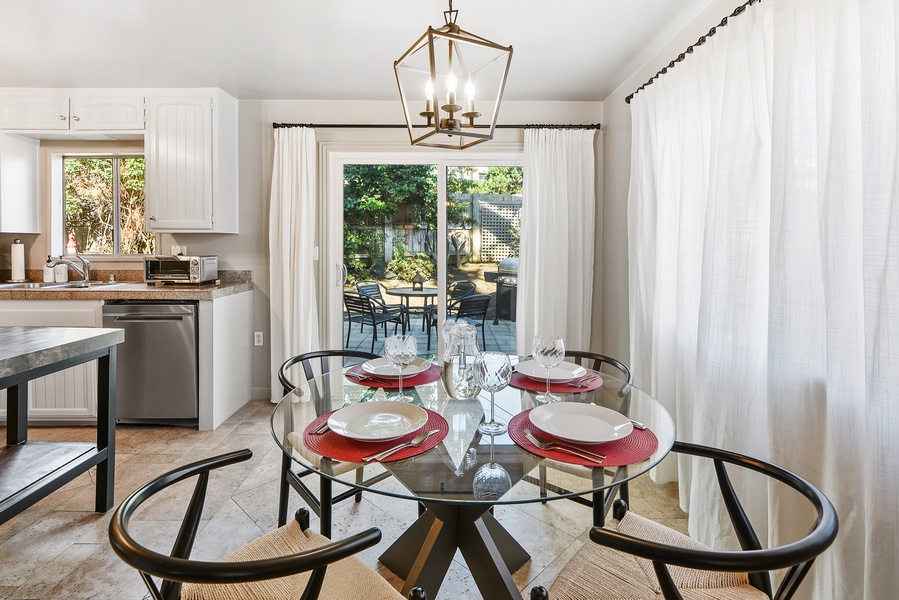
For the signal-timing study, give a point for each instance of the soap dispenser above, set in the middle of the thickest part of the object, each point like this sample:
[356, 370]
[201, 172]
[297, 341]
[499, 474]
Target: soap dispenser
[49, 274]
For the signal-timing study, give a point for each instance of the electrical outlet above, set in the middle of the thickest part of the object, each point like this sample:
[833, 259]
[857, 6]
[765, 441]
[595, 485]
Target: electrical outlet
[176, 250]
[257, 338]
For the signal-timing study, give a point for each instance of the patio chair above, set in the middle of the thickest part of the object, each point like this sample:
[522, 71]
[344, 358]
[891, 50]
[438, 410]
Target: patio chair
[363, 310]
[600, 502]
[472, 309]
[290, 478]
[286, 563]
[454, 292]
[631, 557]
[373, 290]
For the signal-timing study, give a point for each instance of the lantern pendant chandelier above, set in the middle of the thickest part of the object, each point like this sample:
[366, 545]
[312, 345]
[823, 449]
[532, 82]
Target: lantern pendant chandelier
[430, 74]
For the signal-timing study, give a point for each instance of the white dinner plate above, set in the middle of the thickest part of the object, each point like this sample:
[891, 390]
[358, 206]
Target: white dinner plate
[377, 421]
[382, 368]
[564, 371]
[582, 423]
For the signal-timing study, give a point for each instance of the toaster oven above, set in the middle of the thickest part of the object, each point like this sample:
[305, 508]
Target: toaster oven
[180, 269]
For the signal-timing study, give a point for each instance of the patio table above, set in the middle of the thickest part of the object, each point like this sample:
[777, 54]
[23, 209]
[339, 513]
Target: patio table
[406, 293]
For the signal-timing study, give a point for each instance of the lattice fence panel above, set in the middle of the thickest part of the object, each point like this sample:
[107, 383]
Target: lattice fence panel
[499, 216]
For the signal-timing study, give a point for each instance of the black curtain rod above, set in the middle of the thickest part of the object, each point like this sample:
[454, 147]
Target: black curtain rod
[392, 126]
[702, 40]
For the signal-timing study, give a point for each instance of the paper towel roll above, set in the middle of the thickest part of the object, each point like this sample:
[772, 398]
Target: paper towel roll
[18, 261]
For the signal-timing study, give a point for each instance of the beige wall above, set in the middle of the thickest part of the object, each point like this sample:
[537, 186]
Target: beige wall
[611, 326]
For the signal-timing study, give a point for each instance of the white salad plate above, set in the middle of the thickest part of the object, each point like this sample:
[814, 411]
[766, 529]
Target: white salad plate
[377, 421]
[582, 423]
[564, 371]
[382, 368]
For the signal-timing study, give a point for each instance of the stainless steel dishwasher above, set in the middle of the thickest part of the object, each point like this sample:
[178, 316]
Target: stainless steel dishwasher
[156, 372]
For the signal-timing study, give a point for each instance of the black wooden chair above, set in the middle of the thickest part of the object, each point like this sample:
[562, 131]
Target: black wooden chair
[634, 557]
[284, 563]
[292, 478]
[600, 502]
[363, 310]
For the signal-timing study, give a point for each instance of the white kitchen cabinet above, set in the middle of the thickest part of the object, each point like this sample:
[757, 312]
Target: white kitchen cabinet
[68, 396]
[191, 162]
[19, 184]
[71, 110]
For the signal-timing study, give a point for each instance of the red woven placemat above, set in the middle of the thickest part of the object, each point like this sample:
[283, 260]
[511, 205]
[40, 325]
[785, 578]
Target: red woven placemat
[523, 382]
[638, 445]
[429, 375]
[338, 447]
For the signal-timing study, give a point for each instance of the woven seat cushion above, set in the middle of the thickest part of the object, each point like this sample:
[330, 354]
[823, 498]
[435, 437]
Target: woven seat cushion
[348, 578]
[600, 573]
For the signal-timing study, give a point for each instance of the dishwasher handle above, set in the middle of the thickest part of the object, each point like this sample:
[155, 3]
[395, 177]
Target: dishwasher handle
[146, 318]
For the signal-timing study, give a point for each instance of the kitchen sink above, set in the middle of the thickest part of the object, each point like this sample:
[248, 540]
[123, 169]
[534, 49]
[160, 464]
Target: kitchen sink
[70, 285]
[29, 285]
[89, 284]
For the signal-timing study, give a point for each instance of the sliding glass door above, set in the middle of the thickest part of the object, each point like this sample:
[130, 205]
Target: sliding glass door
[411, 230]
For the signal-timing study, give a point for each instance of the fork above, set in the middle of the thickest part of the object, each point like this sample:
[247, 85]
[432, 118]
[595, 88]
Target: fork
[362, 377]
[584, 381]
[580, 453]
[321, 428]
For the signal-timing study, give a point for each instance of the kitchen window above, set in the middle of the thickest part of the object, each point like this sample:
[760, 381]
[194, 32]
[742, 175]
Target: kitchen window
[103, 206]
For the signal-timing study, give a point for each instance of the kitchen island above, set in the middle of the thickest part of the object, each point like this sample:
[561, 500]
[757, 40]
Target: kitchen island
[30, 471]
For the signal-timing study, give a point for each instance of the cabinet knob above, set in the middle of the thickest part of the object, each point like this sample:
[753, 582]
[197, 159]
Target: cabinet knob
[76, 118]
[62, 117]
[152, 218]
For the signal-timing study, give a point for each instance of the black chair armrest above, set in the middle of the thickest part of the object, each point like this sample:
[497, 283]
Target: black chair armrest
[182, 569]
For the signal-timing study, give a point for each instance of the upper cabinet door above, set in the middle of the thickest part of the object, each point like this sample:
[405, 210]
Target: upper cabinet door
[179, 153]
[19, 185]
[39, 111]
[96, 113]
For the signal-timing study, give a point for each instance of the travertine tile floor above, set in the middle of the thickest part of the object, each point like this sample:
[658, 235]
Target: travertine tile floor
[58, 548]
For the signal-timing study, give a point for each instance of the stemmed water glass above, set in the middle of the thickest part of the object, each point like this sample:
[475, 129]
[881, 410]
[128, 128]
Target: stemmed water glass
[492, 371]
[549, 350]
[400, 351]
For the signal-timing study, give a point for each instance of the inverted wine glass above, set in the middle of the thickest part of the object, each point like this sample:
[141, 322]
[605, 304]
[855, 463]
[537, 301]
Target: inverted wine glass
[400, 351]
[493, 371]
[491, 480]
[548, 351]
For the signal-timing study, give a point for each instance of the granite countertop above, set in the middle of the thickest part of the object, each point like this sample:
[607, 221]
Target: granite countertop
[26, 348]
[231, 282]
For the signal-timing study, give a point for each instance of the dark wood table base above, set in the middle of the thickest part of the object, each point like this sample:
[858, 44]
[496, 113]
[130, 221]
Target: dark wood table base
[423, 553]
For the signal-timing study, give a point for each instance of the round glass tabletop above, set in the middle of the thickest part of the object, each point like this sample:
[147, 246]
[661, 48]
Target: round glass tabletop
[466, 466]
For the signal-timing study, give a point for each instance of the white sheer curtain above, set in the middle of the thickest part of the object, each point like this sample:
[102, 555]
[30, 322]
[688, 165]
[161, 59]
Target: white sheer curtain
[764, 269]
[555, 276]
[292, 225]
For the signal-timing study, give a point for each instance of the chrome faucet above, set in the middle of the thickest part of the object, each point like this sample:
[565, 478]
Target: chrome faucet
[84, 270]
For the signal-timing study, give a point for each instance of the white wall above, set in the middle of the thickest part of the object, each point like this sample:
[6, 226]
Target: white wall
[612, 326]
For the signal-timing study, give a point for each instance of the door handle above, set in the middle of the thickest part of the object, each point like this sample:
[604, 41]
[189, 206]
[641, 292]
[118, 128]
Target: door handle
[341, 274]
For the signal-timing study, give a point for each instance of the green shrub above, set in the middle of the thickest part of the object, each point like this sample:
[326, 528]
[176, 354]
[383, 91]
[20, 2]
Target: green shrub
[407, 266]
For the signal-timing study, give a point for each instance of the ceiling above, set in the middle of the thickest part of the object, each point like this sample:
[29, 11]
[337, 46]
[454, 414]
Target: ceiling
[324, 49]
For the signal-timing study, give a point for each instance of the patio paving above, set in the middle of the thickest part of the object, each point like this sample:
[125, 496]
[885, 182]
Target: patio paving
[500, 337]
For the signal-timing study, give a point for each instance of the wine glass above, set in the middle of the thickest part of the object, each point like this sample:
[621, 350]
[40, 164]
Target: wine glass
[549, 350]
[491, 480]
[400, 352]
[492, 371]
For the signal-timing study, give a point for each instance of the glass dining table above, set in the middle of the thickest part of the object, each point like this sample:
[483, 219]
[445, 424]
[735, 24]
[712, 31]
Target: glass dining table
[458, 474]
